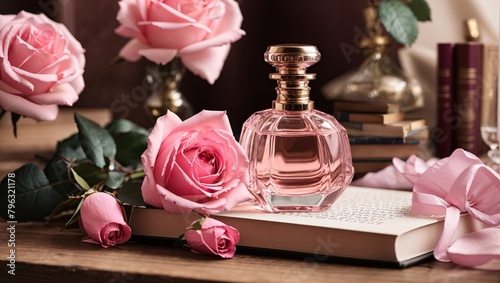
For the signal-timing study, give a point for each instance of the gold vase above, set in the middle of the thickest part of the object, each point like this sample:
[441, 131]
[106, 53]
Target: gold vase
[379, 79]
[165, 95]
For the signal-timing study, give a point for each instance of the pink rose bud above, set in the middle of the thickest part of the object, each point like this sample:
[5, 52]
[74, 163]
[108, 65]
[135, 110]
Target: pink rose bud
[195, 164]
[42, 66]
[214, 238]
[101, 217]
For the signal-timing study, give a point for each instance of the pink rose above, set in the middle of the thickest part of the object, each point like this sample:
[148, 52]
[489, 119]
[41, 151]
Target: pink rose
[200, 32]
[41, 66]
[101, 217]
[214, 238]
[194, 165]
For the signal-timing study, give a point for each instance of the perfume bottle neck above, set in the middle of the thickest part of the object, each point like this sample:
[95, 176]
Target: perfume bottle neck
[293, 90]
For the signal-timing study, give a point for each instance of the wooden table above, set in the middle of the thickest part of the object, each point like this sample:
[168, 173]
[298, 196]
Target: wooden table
[45, 254]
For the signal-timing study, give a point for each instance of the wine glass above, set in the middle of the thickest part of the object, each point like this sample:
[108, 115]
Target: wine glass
[489, 124]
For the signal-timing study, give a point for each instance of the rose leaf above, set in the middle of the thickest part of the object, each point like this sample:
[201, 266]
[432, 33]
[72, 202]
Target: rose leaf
[90, 173]
[129, 147]
[121, 126]
[80, 180]
[96, 142]
[420, 9]
[35, 197]
[399, 21]
[115, 179]
[76, 215]
[70, 149]
[130, 193]
[56, 169]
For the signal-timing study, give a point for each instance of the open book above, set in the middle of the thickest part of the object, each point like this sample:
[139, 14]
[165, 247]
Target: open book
[365, 224]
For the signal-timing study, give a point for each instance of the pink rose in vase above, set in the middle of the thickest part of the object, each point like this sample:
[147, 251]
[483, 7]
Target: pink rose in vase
[195, 164]
[41, 66]
[101, 217]
[199, 32]
[214, 237]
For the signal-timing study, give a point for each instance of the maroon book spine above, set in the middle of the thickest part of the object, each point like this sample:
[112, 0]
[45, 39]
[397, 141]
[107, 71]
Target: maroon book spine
[443, 135]
[467, 100]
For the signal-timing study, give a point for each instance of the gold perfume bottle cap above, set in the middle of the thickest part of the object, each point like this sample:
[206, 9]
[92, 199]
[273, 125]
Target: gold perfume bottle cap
[291, 62]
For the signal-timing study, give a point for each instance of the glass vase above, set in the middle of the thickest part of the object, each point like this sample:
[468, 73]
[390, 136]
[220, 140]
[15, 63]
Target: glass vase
[379, 79]
[165, 95]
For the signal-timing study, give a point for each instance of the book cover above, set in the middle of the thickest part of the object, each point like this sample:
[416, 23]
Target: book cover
[381, 118]
[398, 129]
[489, 86]
[468, 73]
[363, 166]
[443, 137]
[364, 224]
[420, 133]
[366, 107]
[381, 140]
[383, 151]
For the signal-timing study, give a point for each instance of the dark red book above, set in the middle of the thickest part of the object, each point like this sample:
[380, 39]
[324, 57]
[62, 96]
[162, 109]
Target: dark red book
[467, 99]
[443, 134]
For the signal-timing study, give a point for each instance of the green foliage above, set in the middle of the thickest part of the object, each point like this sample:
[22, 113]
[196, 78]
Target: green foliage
[400, 19]
[92, 174]
[35, 197]
[122, 126]
[115, 179]
[131, 141]
[198, 224]
[80, 181]
[130, 193]
[70, 149]
[420, 9]
[95, 141]
[84, 163]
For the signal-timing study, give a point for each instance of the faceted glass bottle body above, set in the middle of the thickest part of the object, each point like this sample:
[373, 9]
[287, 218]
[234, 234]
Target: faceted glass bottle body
[299, 160]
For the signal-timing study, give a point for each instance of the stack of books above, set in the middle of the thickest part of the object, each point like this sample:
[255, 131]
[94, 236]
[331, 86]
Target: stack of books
[378, 132]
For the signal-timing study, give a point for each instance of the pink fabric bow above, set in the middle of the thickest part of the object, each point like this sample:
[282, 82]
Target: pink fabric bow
[461, 183]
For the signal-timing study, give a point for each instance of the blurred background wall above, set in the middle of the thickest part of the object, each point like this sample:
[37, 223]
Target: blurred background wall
[243, 87]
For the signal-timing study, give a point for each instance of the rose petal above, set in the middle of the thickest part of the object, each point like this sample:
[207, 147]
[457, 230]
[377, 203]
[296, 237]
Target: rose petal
[61, 95]
[215, 41]
[207, 63]
[25, 107]
[205, 120]
[175, 204]
[4, 19]
[163, 126]
[131, 50]
[158, 55]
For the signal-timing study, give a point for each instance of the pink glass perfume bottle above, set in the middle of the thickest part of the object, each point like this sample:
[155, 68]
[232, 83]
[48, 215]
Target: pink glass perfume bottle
[300, 159]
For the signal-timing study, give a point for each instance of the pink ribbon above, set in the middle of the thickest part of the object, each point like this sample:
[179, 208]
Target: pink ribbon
[456, 184]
